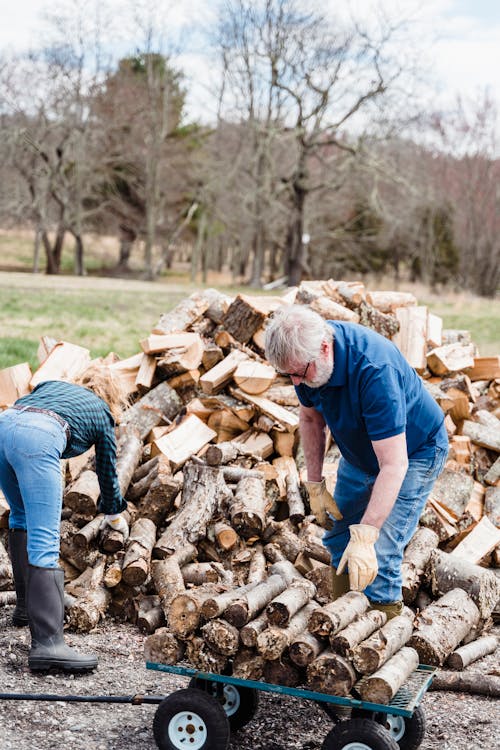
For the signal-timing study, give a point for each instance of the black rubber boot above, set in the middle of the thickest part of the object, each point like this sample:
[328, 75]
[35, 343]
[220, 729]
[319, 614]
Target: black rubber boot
[19, 559]
[46, 620]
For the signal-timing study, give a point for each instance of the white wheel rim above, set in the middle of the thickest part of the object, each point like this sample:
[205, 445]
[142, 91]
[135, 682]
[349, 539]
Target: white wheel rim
[232, 700]
[187, 729]
[356, 746]
[395, 725]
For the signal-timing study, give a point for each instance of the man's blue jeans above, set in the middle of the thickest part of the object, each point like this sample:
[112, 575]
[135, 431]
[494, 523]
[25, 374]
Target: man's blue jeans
[31, 445]
[352, 493]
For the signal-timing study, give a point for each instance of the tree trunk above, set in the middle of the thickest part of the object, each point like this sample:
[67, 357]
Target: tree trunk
[162, 647]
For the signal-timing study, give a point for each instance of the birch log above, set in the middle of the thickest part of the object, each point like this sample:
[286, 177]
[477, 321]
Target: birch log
[415, 561]
[345, 640]
[448, 572]
[248, 510]
[473, 651]
[240, 611]
[135, 568]
[284, 606]
[167, 575]
[331, 673]
[370, 654]
[203, 489]
[335, 616]
[162, 647]
[442, 626]
[221, 637]
[383, 685]
[272, 642]
[305, 648]
[158, 405]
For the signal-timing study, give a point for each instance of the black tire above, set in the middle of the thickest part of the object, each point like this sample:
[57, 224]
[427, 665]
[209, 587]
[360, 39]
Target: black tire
[364, 733]
[408, 731]
[191, 718]
[240, 703]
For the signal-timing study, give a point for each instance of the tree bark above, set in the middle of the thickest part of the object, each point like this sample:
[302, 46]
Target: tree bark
[347, 639]
[159, 404]
[415, 560]
[448, 572]
[383, 685]
[221, 637]
[469, 682]
[371, 653]
[442, 626]
[248, 510]
[335, 616]
[473, 651]
[136, 562]
[331, 673]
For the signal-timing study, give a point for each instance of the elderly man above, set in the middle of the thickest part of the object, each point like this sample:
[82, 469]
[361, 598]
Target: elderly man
[389, 431]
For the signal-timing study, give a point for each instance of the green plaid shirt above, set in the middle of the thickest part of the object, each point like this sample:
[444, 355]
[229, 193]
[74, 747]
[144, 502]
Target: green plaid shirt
[90, 423]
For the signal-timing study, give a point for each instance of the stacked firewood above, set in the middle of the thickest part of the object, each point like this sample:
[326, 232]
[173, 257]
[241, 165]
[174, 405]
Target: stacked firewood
[224, 562]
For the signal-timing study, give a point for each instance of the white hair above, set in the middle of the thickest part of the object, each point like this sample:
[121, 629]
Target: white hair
[294, 334]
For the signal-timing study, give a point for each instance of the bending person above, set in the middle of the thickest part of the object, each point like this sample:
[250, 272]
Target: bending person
[57, 420]
[390, 433]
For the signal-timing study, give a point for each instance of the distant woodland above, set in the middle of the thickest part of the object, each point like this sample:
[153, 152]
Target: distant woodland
[316, 159]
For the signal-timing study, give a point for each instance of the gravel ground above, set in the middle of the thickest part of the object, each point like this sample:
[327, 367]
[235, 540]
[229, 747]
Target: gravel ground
[454, 721]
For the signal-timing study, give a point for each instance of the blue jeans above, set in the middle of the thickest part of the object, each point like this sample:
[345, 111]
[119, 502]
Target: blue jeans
[352, 493]
[31, 445]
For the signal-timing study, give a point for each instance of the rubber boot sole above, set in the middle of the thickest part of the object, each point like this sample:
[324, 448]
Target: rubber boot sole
[43, 664]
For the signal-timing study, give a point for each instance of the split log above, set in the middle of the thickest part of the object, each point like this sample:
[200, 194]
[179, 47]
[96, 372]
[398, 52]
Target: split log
[162, 647]
[247, 665]
[442, 626]
[167, 575]
[203, 490]
[186, 312]
[416, 557]
[335, 616]
[161, 404]
[411, 339]
[485, 368]
[383, 685]
[254, 377]
[331, 310]
[221, 637]
[448, 572]
[284, 606]
[279, 414]
[479, 542]
[244, 317]
[146, 372]
[305, 648]
[493, 474]
[347, 639]
[450, 358]
[202, 657]
[388, 302]
[369, 316]
[89, 579]
[331, 673]
[468, 682]
[481, 434]
[471, 652]
[248, 510]
[372, 653]
[183, 441]
[135, 569]
[240, 611]
[216, 378]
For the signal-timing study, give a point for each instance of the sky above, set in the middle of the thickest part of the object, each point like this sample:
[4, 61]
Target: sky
[461, 38]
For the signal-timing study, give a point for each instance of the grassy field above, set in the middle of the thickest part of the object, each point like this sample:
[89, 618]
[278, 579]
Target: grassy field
[106, 314]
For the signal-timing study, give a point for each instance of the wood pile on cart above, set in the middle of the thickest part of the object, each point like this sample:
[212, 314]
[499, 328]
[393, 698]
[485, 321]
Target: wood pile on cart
[224, 566]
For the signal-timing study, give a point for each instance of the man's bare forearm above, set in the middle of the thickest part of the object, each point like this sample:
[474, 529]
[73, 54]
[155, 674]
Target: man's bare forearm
[312, 433]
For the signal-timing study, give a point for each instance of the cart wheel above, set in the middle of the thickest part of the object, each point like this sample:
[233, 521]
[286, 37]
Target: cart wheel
[408, 731]
[240, 703]
[190, 718]
[359, 734]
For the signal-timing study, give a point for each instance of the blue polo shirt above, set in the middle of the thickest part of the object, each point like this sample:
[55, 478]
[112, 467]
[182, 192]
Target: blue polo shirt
[373, 393]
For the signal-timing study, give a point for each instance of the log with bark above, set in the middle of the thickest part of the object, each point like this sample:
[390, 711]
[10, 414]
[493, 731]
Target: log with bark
[162, 647]
[204, 489]
[159, 405]
[184, 614]
[468, 682]
[331, 673]
[335, 616]
[284, 606]
[135, 568]
[448, 572]
[442, 626]
[347, 639]
[167, 575]
[240, 611]
[273, 641]
[247, 665]
[221, 637]
[248, 509]
[382, 685]
[204, 658]
[416, 557]
[374, 651]
[6, 578]
[305, 648]
[471, 652]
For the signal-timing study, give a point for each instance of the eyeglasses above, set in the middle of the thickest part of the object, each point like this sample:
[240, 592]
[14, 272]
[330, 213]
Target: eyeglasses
[296, 374]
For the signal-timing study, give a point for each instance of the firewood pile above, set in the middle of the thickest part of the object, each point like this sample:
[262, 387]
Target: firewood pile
[224, 566]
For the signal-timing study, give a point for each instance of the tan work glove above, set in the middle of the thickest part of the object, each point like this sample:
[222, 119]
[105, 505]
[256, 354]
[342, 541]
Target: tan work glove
[322, 503]
[116, 522]
[360, 556]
